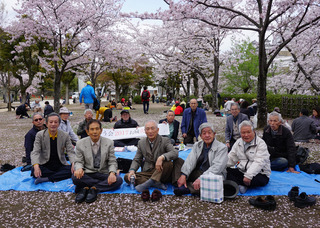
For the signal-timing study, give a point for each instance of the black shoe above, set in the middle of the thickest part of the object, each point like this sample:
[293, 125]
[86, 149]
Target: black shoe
[26, 168]
[267, 204]
[145, 195]
[181, 191]
[293, 193]
[81, 196]
[303, 200]
[92, 195]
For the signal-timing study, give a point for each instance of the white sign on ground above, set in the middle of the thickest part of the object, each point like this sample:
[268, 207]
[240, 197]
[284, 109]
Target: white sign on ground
[128, 133]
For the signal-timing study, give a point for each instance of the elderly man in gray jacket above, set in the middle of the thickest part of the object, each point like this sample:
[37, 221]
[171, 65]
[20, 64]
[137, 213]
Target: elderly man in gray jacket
[158, 159]
[95, 165]
[249, 163]
[207, 156]
[48, 157]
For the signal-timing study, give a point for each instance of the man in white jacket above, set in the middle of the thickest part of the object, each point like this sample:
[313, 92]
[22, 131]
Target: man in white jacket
[207, 156]
[249, 163]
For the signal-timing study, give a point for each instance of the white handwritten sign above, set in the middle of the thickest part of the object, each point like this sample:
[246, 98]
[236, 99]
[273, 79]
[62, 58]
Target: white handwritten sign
[128, 133]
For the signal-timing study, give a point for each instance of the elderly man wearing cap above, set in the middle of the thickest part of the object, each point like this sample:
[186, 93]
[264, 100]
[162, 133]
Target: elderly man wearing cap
[66, 126]
[207, 156]
[126, 122]
[87, 93]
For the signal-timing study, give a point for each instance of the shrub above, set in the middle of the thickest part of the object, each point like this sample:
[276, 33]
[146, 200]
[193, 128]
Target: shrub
[137, 99]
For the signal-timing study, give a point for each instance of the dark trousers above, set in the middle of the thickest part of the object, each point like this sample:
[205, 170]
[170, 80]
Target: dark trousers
[64, 172]
[126, 142]
[190, 138]
[232, 141]
[170, 173]
[145, 106]
[22, 114]
[98, 180]
[107, 115]
[194, 175]
[237, 176]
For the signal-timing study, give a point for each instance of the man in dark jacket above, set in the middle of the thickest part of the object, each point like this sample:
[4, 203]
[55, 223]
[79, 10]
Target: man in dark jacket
[126, 122]
[38, 125]
[88, 114]
[47, 109]
[280, 144]
[303, 127]
[192, 118]
[173, 126]
[21, 111]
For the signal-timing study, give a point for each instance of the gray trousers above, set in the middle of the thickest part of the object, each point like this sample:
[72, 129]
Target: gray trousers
[88, 106]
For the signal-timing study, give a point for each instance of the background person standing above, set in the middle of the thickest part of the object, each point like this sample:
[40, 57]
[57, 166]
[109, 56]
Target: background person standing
[145, 100]
[87, 93]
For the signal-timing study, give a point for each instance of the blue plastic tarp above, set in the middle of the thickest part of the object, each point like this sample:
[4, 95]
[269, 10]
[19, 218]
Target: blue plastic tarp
[280, 182]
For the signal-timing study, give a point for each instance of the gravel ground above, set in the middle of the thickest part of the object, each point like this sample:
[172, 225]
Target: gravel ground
[48, 209]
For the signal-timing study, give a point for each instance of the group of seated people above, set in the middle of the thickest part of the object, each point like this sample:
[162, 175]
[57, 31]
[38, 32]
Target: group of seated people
[93, 165]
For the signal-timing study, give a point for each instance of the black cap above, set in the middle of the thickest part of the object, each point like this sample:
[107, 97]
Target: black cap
[124, 111]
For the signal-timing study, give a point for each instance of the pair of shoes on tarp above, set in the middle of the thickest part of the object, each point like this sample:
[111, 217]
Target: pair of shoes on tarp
[155, 196]
[302, 200]
[268, 203]
[87, 194]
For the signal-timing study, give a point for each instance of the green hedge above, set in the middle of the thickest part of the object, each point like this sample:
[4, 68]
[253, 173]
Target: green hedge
[137, 99]
[273, 100]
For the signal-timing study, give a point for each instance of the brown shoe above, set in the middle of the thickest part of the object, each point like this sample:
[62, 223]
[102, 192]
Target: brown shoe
[156, 195]
[145, 195]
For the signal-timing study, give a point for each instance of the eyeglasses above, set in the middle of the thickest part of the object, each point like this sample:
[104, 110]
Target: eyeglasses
[36, 120]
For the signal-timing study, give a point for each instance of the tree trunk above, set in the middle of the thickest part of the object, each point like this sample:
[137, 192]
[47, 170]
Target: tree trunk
[9, 95]
[214, 82]
[262, 84]
[67, 93]
[195, 84]
[57, 91]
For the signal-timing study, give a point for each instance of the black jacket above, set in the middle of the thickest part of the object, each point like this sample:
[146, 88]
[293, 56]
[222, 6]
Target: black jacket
[281, 144]
[130, 124]
[176, 125]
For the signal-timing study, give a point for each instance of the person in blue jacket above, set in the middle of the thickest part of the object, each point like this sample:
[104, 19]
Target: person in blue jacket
[192, 118]
[87, 93]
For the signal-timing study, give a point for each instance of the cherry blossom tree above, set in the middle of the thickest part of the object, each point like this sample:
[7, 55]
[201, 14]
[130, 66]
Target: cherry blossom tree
[266, 18]
[70, 27]
[185, 49]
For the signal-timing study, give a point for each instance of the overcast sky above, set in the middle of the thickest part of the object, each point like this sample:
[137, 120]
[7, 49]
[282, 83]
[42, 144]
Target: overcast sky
[140, 6]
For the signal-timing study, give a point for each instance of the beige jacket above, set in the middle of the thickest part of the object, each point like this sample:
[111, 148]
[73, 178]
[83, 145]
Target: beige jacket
[84, 157]
[41, 148]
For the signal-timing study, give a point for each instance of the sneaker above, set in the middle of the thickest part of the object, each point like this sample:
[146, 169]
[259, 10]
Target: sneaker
[268, 203]
[303, 200]
[293, 193]
[243, 189]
